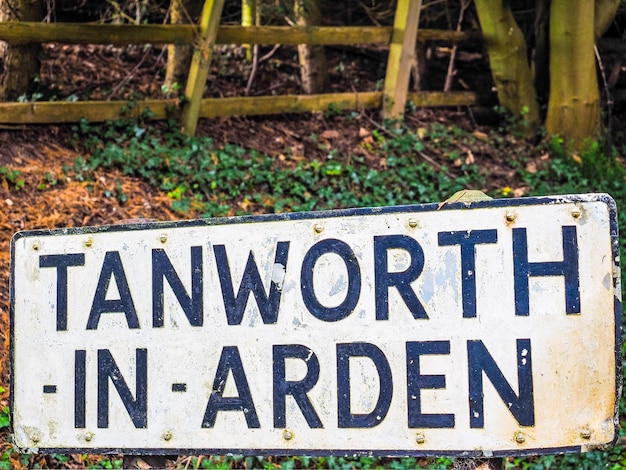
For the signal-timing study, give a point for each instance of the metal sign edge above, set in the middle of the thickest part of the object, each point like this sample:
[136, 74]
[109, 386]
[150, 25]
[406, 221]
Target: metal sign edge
[429, 207]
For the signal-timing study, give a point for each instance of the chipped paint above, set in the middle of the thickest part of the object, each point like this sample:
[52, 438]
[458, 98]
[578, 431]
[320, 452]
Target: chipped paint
[565, 347]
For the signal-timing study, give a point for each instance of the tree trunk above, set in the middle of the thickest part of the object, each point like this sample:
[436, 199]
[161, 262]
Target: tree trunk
[508, 61]
[248, 18]
[179, 55]
[18, 64]
[542, 50]
[574, 105]
[605, 11]
[313, 71]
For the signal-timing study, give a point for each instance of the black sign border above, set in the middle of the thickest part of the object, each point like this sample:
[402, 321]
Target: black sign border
[417, 208]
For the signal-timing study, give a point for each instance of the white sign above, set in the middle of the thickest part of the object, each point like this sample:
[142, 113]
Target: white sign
[490, 328]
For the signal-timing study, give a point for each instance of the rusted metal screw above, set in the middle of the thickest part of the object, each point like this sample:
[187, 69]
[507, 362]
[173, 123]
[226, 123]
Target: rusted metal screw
[412, 223]
[88, 242]
[576, 212]
[520, 438]
[319, 228]
[287, 435]
[420, 438]
[510, 216]
[163, 238]
[88, 436]
[167, 435]
[585, 434]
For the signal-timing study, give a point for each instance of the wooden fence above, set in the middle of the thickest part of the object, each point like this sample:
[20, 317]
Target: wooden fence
[401, 38]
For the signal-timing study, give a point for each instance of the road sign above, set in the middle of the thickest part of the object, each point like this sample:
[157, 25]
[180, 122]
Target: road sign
[468, 329]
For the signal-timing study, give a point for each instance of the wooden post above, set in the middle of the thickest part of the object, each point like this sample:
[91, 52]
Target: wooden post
[200, 63]
[401, 53]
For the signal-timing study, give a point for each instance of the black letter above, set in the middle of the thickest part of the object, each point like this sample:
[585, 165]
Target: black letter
[468, 239]
[346, 307]
[250, 282]
[522, 270]
[112, 266]
[384, 279]
[346, 419]
[479, 361]
[79, 388]
[162, 268]
[297, 389]
[230, 361]
[61, 262]
[137, 408]
[416, 382]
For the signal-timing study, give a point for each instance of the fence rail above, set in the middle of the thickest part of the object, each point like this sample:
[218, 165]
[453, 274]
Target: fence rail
[49, 112]
[121, 35]
[208, 33]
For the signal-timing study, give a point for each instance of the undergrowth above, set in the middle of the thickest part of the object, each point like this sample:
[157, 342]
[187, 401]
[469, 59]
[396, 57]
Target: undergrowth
[206, 179]
[218, 180]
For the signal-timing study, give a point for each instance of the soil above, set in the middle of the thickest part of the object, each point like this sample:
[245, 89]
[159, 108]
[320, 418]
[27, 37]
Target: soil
[51, 199]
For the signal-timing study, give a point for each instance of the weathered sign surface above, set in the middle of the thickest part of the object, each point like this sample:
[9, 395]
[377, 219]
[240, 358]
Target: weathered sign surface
[488, 328]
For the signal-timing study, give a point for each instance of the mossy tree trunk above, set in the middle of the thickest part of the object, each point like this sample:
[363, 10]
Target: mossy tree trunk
[18, 64]
[604, 14]
[542, 50]
[508, 61]
[574, 104]
[179, 55]
[248, 18]
[313, 69]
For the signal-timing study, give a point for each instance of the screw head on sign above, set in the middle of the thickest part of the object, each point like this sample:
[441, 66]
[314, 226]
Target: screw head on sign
[35, 438]
[36, 246]
[412, 223]
[420, 438]
[585, 434]
[576, 212]
[163, 238]
[319, 228]
[88, 242]
[287, 435]
[88, 436]
[510, 216]
[520, 438]
[167, 435]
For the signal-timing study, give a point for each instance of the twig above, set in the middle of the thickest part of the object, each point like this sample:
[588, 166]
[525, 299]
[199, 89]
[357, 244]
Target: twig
[270, 53]
[255, 63]
[130, 74]
[451, 72]
[617, 66]
[269, 88]
[609, 95]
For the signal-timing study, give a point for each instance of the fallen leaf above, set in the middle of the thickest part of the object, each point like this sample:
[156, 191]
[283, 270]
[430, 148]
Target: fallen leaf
[470, 158]
[481, 135]
[421, 132]
[519, 192]
[297, 150]
[329, 134]
[577, 159]
[363, 132]
[458, 162]
[531, 167]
